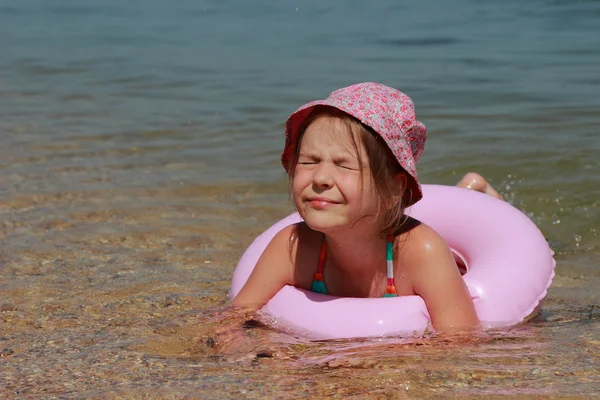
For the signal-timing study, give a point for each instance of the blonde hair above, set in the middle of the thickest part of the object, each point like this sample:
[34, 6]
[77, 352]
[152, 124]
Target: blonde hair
[382, 164]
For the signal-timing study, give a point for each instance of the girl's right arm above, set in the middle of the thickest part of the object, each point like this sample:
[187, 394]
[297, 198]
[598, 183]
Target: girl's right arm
[272, 272]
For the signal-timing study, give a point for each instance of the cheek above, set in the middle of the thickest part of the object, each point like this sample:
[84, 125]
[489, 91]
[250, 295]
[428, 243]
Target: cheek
[366, 190]
[348, 181]
[349, 184]
[299, 183]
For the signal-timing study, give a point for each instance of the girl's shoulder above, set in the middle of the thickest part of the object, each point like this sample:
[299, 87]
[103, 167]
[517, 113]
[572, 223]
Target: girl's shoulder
[300, 245]
[298, 235]
[421, 245]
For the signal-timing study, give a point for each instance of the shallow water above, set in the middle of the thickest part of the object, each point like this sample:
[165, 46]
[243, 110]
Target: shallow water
[139, 157]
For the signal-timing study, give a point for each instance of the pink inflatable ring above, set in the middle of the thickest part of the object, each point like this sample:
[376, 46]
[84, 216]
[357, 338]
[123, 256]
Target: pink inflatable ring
[509, 269]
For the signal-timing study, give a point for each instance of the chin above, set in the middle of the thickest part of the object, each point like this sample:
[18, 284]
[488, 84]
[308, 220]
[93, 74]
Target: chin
[324, 223]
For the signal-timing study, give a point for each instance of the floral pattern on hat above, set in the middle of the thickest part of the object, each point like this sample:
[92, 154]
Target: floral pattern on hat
[388, 111]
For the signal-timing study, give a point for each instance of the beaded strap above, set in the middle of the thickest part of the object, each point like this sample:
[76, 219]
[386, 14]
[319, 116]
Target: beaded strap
[390, 291]
[318, 283]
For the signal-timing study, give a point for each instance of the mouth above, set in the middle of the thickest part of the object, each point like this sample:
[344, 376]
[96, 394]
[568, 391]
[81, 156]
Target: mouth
[321, 202]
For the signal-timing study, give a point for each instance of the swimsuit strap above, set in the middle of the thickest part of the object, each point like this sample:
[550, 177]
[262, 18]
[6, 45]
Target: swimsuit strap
[321, 266]
[318, 284]
[390, 291]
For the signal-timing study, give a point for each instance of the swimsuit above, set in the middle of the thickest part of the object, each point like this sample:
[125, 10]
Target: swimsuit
[318, 284]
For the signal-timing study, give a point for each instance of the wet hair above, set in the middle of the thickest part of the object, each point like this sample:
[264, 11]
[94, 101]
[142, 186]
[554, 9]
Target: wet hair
[382, 164]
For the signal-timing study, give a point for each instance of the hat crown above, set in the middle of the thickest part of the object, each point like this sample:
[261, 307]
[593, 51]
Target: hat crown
[388, 111]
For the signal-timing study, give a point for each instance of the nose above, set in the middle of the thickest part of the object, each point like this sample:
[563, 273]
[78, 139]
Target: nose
[322, 177]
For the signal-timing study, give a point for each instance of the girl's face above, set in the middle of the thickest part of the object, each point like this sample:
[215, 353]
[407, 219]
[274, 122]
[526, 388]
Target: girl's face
[331, 191]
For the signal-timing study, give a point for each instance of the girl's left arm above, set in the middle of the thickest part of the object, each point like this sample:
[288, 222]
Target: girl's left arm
[436, 278]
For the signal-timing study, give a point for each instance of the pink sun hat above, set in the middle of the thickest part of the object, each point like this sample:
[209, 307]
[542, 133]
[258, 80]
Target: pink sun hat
[387, 111]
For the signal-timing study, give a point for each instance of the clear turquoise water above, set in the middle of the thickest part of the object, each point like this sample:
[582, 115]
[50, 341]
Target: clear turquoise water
[144, 137]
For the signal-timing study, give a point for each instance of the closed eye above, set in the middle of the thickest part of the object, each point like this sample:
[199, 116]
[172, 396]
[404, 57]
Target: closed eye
[308, 159]
[347, 164]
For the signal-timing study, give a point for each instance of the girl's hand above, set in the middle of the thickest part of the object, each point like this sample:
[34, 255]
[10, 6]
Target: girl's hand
[234, 341]
[230, 332]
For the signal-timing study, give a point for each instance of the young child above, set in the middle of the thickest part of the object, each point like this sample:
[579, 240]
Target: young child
[351, 164]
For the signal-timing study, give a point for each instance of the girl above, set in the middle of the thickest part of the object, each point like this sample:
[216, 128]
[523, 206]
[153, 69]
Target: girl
[351, 164]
